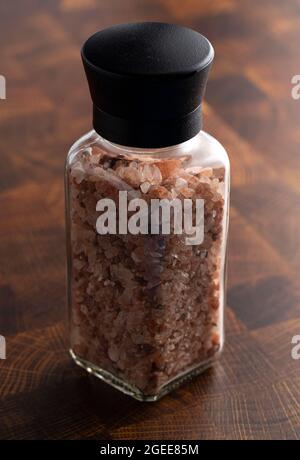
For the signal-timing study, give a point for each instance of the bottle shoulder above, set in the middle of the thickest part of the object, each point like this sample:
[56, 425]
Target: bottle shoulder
[198, 166]
[202, 150]
[84, 142]
[210, 152]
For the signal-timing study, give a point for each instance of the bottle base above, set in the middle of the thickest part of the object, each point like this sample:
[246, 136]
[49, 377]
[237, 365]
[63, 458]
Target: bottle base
[133, 391]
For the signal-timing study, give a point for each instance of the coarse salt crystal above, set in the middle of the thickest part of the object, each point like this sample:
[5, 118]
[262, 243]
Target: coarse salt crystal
[180, 183]
[145, 187]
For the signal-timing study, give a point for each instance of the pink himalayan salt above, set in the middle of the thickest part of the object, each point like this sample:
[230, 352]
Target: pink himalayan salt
[150, 173]
[169, 168]
[145, 187]
[126, 286]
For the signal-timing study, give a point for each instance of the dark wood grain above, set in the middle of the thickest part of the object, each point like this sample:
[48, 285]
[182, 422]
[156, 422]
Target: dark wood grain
[254, 391]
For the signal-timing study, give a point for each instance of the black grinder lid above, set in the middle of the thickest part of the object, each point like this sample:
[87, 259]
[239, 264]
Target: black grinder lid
[147, 81]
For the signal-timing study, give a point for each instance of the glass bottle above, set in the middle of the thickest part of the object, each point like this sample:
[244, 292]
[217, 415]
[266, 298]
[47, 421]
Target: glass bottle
[147, 220]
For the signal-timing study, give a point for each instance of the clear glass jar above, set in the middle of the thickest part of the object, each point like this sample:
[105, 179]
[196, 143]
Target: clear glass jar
[146, 309]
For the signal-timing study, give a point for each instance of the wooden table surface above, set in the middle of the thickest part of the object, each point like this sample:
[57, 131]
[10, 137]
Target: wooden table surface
[254, 391]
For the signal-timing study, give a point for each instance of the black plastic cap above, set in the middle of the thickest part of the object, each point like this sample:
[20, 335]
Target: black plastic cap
[147, 81]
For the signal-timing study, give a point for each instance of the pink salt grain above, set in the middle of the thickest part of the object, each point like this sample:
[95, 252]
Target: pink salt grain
[130, 175]
[145, 187]
[150, 173]
[187, 192]
[168, 168]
